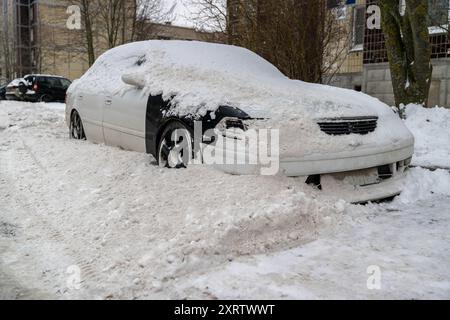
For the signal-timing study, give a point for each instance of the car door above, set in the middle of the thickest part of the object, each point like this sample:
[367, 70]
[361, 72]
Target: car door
[90, 107]
[59, 88]
[124, 120]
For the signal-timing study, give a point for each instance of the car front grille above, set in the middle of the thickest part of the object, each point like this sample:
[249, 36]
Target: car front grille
[346, 126]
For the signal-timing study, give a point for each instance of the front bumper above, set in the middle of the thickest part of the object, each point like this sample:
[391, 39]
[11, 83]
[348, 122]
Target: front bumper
[345, 161]
[361, 194]
[326, 167]
[12, 97]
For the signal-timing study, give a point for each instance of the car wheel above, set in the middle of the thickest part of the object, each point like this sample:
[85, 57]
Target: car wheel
[175, 147]
[76, 127]
[45, 98]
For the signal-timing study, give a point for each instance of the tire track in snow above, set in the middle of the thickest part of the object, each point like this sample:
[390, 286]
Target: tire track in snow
[23, 202]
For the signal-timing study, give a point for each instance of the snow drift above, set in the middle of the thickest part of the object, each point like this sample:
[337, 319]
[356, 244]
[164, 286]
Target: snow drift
[431, 128]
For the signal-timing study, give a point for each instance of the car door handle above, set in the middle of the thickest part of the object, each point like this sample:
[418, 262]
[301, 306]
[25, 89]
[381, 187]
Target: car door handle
[108, 102]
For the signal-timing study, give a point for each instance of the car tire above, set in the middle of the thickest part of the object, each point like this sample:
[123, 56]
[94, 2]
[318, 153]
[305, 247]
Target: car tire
[76, 127]
[175, 148]
[45, 98]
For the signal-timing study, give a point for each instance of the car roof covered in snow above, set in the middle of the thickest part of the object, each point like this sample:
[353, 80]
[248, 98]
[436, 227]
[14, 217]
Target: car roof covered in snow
[203, 76]
[15, 82]
[44, 75]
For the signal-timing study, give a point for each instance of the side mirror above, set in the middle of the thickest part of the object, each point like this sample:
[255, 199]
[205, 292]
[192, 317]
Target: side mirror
[135, 80]
[23, 88]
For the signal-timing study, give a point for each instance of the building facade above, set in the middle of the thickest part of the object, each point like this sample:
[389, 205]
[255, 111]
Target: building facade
[366, 66]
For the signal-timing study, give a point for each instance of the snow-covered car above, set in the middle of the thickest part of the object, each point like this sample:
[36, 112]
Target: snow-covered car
[137, 95]
[13, 89]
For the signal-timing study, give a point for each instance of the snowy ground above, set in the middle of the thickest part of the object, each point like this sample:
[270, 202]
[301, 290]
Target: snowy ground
[134, 230]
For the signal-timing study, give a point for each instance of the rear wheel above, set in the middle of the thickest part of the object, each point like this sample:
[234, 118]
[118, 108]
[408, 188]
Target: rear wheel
[45, 98]
[76, 127]
[175, 147]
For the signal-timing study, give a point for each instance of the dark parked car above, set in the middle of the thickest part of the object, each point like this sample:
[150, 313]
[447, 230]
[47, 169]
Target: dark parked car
[3, 92]
[35, 88]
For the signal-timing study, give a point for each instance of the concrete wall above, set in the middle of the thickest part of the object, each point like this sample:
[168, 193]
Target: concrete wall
[377, 82]
[347, 80]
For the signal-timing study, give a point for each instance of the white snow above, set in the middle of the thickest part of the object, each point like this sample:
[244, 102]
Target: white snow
[134, 230]
[15, 83]
[4, 120]
[431, 128]
[407, 243]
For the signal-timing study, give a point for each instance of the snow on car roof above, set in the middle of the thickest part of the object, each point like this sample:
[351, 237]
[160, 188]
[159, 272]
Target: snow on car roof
[15, 82]
[203, 76]
[44, 75]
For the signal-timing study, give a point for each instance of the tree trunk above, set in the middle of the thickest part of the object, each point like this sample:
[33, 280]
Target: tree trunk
[89, 34]
[409, 50]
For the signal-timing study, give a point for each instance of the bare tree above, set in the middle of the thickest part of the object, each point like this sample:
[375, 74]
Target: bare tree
[302, 38]
[89, 14]
[109, 23]
[409, 50]
[7, 59]
[209, 15]
[111, 20]
[145, 16]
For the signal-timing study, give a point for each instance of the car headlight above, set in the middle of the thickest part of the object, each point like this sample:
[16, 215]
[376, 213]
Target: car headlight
[231, 128]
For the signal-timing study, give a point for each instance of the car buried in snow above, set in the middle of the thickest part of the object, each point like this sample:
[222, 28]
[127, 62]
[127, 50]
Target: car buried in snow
[155, 96]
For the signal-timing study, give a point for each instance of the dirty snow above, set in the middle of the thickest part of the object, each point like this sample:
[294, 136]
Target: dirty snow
[136, 231]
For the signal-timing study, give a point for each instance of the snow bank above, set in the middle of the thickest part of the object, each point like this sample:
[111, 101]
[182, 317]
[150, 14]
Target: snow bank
[138, 231]
[422, 184]
[431, 128]
[124, 218]
[4, 120]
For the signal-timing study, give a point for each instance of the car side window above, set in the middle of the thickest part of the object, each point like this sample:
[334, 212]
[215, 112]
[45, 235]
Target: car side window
[43, 82]
[65, 83]
[51, 82]
[55, 83]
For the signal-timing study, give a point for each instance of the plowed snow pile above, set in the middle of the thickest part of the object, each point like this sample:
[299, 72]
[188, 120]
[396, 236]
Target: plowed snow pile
[128, 224]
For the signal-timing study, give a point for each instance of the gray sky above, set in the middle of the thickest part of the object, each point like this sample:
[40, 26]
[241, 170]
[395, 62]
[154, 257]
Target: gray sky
[181, 13]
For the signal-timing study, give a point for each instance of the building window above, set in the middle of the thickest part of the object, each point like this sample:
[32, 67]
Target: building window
[374, 46]
[438, 12]
[359, 22]
[340, 12]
